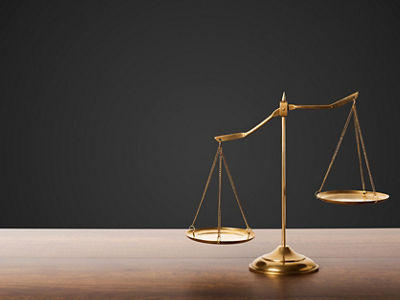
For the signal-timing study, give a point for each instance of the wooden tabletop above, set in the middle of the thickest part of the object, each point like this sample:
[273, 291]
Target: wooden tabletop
[164, 264]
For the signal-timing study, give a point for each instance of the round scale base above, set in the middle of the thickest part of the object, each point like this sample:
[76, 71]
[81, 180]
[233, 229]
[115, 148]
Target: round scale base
[283, 261]
[351, 197]
[228, 235]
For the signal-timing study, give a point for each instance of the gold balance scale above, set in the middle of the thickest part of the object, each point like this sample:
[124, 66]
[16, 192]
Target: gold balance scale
[283, 260]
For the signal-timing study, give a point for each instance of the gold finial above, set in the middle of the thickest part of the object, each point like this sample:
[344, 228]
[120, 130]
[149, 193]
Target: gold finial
[284, 97]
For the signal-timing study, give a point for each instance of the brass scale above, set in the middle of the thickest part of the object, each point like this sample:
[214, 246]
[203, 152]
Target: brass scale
[283, 260]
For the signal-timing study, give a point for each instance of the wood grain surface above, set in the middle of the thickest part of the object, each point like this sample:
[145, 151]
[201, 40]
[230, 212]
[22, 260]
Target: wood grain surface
[164, 264]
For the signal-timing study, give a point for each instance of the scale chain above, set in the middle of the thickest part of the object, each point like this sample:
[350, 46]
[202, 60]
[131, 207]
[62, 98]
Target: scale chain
[356, 132]
[235, 191]
[220, 155]
[364, 150]
[219, 191]
[337, 149]
[359, 140]
[205, 189]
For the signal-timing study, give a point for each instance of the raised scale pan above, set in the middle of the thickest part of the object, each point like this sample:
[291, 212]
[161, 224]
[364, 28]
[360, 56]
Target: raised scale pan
[351, 197]
[228, 235]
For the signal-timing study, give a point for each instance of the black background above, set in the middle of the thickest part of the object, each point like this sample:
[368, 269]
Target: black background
[109, 108]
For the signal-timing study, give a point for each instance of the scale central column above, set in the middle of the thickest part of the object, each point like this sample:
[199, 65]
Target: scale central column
[283, 199]
[283, 260]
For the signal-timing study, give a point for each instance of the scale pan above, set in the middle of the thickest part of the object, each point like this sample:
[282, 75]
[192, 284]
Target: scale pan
[229, 235]
[351, 197]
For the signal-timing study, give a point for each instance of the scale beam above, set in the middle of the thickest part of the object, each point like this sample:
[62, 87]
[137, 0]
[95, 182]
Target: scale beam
[278, 112]
[241, 135]
[336, 104]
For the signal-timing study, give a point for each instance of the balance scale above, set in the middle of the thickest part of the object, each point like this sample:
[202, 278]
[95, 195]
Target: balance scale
[284, 260]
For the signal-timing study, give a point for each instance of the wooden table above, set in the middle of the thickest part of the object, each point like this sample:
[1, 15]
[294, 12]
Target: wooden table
[164, 264]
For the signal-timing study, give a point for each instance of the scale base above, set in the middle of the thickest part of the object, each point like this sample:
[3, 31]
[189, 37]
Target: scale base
[283, 261]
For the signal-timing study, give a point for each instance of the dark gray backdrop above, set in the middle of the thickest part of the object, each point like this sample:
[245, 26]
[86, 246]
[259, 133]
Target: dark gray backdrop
[109, 108]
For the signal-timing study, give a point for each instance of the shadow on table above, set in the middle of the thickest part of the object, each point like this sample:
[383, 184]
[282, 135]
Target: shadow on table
[247, 285]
